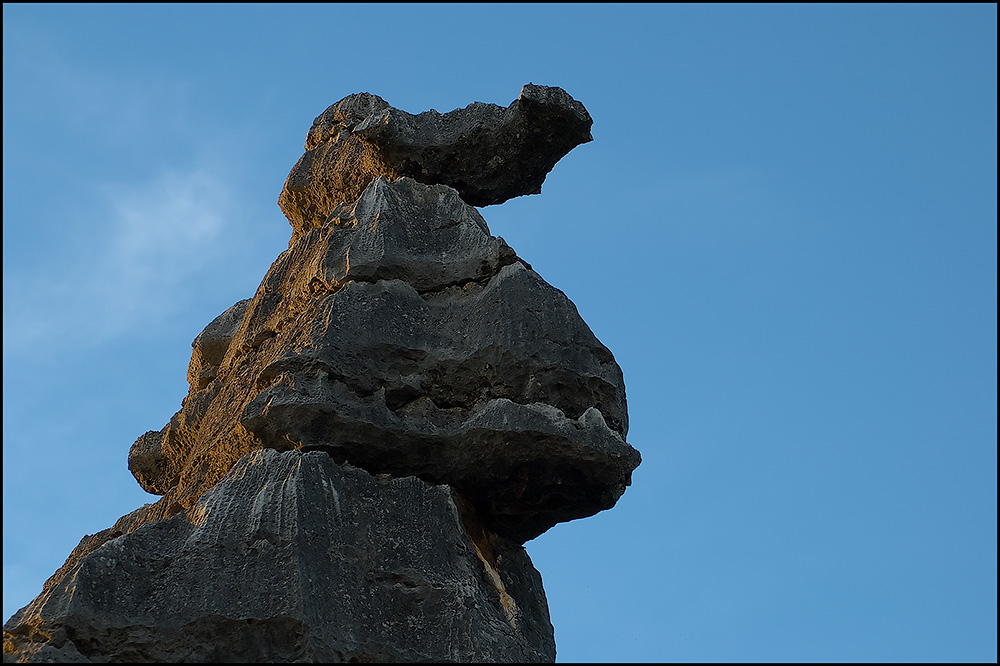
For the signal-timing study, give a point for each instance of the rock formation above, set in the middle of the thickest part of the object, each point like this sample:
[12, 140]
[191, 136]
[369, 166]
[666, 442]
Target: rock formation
[368, 441]
[487, 153]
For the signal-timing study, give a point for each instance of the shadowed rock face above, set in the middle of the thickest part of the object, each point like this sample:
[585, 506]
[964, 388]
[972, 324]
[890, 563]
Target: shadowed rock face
[487, 153]
[292, 557]
[368, 440]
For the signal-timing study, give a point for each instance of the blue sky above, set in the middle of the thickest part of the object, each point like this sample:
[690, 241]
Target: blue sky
[784, 229]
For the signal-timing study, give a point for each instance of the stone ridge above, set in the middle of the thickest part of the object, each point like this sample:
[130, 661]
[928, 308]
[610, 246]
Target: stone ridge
[486, 152]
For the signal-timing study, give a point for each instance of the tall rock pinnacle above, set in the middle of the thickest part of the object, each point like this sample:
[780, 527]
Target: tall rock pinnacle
[367, 441]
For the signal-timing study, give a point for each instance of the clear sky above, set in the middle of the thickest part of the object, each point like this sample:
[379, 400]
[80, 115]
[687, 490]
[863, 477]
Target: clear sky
[784, 229]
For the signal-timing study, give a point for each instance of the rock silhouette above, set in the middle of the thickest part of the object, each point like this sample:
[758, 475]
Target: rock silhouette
[367, 441]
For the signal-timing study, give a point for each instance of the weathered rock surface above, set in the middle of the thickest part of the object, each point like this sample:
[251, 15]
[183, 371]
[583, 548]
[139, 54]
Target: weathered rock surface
[209, 348]
[405, 339]
[292, 557]
[488, 153]
[369, 439]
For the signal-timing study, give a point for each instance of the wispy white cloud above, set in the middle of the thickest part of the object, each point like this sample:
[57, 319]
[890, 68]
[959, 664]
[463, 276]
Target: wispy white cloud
[151, 242]
[90, 255]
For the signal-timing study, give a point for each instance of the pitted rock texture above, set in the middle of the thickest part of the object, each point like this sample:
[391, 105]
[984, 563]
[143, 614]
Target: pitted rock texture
[486, 152]
[405, 339]
[292, 557]
[210, 346]
[154, 471]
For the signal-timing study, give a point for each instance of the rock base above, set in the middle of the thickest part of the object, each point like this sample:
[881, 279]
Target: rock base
[292, 557]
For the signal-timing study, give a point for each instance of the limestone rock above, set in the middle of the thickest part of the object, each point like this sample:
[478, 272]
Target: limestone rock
[404, 339]
[488, 153]
[211, 345]
[334, 172]
[148, 464]
[368, 440]
[292, 557]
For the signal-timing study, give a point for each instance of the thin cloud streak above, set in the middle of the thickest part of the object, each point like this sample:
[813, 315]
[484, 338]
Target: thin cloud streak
[160, 236]
[146, 241]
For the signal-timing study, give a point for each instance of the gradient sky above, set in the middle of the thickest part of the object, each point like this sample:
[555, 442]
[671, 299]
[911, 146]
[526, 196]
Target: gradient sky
[784, 229]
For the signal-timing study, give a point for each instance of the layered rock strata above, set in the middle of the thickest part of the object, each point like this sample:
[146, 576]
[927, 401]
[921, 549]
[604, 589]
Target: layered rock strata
[369, 439]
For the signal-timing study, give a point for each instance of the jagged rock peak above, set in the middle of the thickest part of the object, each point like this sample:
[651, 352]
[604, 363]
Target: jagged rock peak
[486, 152]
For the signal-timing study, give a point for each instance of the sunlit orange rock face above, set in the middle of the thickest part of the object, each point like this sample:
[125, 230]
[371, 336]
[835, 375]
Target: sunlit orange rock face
[370, 438]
